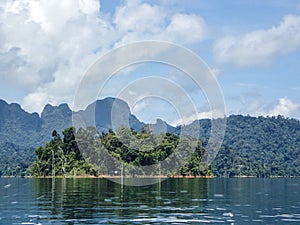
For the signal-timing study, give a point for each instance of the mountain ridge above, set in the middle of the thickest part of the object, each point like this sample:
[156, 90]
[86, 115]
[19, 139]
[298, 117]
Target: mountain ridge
[265, 142]
[21, 128]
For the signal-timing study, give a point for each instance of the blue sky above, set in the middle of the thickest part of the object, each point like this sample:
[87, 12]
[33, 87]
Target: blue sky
[253, 48]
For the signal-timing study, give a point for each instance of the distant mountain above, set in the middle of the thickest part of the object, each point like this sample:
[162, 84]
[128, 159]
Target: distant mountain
[21, 132]
[53, 118]
[258, 146]
[109, 113]
[161, 126]
[31, 130]
[18, 126]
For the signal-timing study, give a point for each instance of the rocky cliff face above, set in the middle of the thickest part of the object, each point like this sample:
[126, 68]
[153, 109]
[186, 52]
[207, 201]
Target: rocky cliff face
[31, 130]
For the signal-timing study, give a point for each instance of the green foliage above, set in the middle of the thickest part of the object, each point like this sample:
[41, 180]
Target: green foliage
[60, 157]
[15, 160]
[140, 149]
[260, 147]
[253, 146]
[104, 154]
[196, 165]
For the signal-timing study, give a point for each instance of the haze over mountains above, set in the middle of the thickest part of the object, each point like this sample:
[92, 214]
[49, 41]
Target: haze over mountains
[269, 145]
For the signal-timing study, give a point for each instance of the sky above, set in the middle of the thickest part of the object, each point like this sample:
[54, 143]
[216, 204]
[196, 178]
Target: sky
[252, 47]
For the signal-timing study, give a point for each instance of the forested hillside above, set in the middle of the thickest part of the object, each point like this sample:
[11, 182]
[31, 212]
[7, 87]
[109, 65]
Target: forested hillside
[21, 132]
[259, 147]
[253, 146]
[14, 159]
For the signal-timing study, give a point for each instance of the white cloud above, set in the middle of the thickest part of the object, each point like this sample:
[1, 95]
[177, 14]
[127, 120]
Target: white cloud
[137, 17]
[254, 104]
[46, 46]
[55, 43]
[137, 21]
[260, 47]
[187, 28]
[285, 107]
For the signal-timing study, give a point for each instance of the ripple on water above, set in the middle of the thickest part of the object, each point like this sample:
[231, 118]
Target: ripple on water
[34, 216]
[158, 207]
[173, 220]
[230, 214]
[283, 217]
[290, 220]
[200, 200]
[218, 195]
[31, 223]
[7, 186]
[220, 209]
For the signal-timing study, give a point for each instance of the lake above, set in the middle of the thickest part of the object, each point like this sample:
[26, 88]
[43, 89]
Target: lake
[173, 201]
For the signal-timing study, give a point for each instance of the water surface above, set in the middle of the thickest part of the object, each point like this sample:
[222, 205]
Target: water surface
[173, 201]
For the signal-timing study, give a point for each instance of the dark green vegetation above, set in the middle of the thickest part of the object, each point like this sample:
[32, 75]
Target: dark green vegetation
[14, 160]
[60, 157]
[21, 132]
[263, 146]
[105, 154]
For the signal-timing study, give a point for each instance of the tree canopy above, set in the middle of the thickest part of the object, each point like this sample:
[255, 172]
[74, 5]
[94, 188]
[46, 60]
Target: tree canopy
[105, 154]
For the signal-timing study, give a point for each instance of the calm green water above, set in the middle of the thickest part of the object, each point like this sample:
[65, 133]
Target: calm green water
[174, 201]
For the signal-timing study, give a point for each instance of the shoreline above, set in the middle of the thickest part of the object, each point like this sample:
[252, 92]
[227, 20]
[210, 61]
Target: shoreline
[112, 177]
[126, 177]
[140, 177]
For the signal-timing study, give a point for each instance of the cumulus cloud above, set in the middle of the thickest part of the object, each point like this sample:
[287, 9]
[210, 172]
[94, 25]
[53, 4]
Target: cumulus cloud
[285, 107]
[139, 17]
[187, 28]
[254, 104]
[135, 21]
[52, 44]
[46, 46]
[260, 47]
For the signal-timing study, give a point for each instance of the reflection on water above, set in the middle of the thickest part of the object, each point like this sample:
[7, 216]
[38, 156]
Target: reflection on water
[174, 201]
